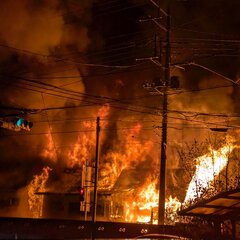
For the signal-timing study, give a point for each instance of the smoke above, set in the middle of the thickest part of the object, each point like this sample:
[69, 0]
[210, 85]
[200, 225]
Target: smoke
[31, 25]
[200, 92]
[31, 30]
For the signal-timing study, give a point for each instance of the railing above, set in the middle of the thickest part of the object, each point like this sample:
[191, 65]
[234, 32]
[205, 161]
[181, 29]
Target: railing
[23, 228]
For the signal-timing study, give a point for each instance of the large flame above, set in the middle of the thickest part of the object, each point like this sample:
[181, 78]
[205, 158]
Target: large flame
[139, 207]
[38, 184]
[208, 166]
[83, 149]
[129, 153]
[141, 202]
[143, 207]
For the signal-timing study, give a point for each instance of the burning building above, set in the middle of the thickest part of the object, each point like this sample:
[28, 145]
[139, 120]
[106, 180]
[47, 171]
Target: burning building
[57, 77]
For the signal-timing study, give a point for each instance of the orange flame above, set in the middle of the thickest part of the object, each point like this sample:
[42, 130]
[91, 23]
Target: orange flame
[208, 166]
[131, 151]
[172, 206]
[143, 207]
[50, 151]
[84, 147]
[38, 184]
[104, 111]
[139, 207]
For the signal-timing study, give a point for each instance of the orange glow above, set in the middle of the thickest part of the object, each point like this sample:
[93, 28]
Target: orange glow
[50, 151]
[148, 196]
[38, 184]
[172, 205]
[84, 148]
[104, 111]
[130, 152]
[140, 207]
[208, 166]
[143, 207]
[140, 204]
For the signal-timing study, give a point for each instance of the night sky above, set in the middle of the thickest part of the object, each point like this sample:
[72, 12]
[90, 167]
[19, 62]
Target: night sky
[62, 60]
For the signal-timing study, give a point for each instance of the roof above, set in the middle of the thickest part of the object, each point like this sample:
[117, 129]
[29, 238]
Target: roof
[224, 205]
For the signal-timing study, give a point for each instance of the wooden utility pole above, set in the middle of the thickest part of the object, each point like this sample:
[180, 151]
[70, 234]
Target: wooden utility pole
[162, 175]
[163, 90]
[96, 171]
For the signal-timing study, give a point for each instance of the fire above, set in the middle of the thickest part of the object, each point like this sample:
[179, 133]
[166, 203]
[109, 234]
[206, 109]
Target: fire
[208, 166]
[83, 149]
[129, 153]
[143, 207]
[104, 111]
[141, 203]
[50, 151]
[148, 196]
[147, 201]
[38, 184]
[172, 206]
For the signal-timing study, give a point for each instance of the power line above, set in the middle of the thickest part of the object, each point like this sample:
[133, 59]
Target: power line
[90, 102]
[214, 72]
[119, 129]
[70, 62]
[93, 99]
[200, 32]
[119, 8]
[200, 90]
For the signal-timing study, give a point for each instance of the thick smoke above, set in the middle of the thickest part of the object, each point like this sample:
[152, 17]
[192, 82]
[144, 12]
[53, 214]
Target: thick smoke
[31, 31]
[31, 25]
[201, 90]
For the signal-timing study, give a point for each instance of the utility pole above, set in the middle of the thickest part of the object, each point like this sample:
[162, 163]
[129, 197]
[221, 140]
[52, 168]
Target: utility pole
[162, 175]
[96, 171]
[163, 85]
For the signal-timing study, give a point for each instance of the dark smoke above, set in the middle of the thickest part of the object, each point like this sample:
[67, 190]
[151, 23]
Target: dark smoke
[38, 27]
